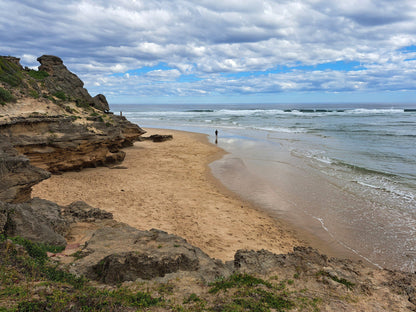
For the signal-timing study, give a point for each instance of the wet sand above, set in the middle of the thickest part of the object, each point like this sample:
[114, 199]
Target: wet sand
[169, 186]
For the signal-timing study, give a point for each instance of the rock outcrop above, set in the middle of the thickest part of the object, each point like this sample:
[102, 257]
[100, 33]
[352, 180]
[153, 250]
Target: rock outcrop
[59, 144]
[61, 81]
[39, 222]
[17, 175]
[100, 102]
[55, 122]
[158, 138]
[117, 253]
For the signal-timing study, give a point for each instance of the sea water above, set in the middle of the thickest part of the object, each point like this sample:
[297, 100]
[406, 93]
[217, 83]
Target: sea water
[347, 173]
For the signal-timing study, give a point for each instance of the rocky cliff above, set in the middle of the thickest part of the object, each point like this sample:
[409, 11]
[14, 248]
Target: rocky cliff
[50, 118]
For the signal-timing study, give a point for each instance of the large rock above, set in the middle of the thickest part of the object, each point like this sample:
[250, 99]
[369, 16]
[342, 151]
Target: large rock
[34, 222]
[43, 221]
[58, 144]
[61, 80]
[80, 211]
[119, 253]
[100, 102]
[17, 175]
[264, 261]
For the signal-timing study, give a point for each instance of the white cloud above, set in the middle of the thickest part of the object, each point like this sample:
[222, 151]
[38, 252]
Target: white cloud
[210, 38]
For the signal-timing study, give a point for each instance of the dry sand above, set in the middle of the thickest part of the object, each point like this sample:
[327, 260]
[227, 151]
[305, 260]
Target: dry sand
[169, 186]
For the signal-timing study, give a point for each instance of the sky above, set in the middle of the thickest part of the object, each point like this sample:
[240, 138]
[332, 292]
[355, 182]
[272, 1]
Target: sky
[223, 51]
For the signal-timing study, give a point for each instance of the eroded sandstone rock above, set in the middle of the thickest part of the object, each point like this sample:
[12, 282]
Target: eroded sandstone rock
[17, 175]
[119, 253]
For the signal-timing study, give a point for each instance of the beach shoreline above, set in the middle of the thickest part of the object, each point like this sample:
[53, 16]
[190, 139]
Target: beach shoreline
[169, 186]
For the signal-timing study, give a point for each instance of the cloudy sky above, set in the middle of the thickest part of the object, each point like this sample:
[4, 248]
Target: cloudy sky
[207, 51]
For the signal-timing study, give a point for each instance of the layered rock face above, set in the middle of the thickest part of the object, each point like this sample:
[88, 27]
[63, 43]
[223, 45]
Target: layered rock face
[59, 144]
[17, 175]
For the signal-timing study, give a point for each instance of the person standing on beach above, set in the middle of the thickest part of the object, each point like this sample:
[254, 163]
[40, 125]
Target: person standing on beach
[216, 136]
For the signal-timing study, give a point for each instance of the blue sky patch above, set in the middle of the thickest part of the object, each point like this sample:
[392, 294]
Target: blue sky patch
[334, 66]
[408, 49]
[144, 70]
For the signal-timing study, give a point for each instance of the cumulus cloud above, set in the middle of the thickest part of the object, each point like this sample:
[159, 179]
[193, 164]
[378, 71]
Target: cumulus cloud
[267, 46]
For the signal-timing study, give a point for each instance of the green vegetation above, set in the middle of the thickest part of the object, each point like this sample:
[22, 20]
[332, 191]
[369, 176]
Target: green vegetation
[253, 294]
[192, 298]
[335, 278]
[238, 280]
[82, 104]
[35, 250]
[68, 109]
[31, 282]
[60, 95]
[5, 96]
[10, 73]
[38, 74]
[34, 94]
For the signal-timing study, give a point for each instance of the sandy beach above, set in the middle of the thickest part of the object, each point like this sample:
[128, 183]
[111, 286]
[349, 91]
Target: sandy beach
[169, 186]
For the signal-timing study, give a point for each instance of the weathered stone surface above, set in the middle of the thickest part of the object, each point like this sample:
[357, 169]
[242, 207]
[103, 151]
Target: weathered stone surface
[100, 102]
[17, 175]
[402, 283]
[80, 211]
[52, 214]
[60, 79]
[58, 144]
[26, 222]
[264, 261]
[158, 138]
[121, 253]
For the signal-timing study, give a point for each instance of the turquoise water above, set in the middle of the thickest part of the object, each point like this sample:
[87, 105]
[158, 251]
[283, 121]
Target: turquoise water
[350, 168]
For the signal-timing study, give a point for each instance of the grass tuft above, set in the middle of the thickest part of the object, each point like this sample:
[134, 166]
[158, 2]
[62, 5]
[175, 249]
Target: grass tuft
[38, 74]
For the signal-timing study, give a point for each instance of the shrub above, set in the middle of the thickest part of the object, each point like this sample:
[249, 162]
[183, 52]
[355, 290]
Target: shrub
[60, 95]
[38, 74]
[5, 96]
[34, 94]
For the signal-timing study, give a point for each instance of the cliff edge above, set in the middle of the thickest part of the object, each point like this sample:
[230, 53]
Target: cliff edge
[49, 117]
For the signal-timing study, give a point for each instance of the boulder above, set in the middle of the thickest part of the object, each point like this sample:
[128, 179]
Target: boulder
[58, 144]
[158, 137]
[80, 211]
[120, 253]
[100, 102]
[24, 221]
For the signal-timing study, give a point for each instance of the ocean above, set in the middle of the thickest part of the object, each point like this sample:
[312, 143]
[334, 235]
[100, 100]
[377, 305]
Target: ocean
[345, 173]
